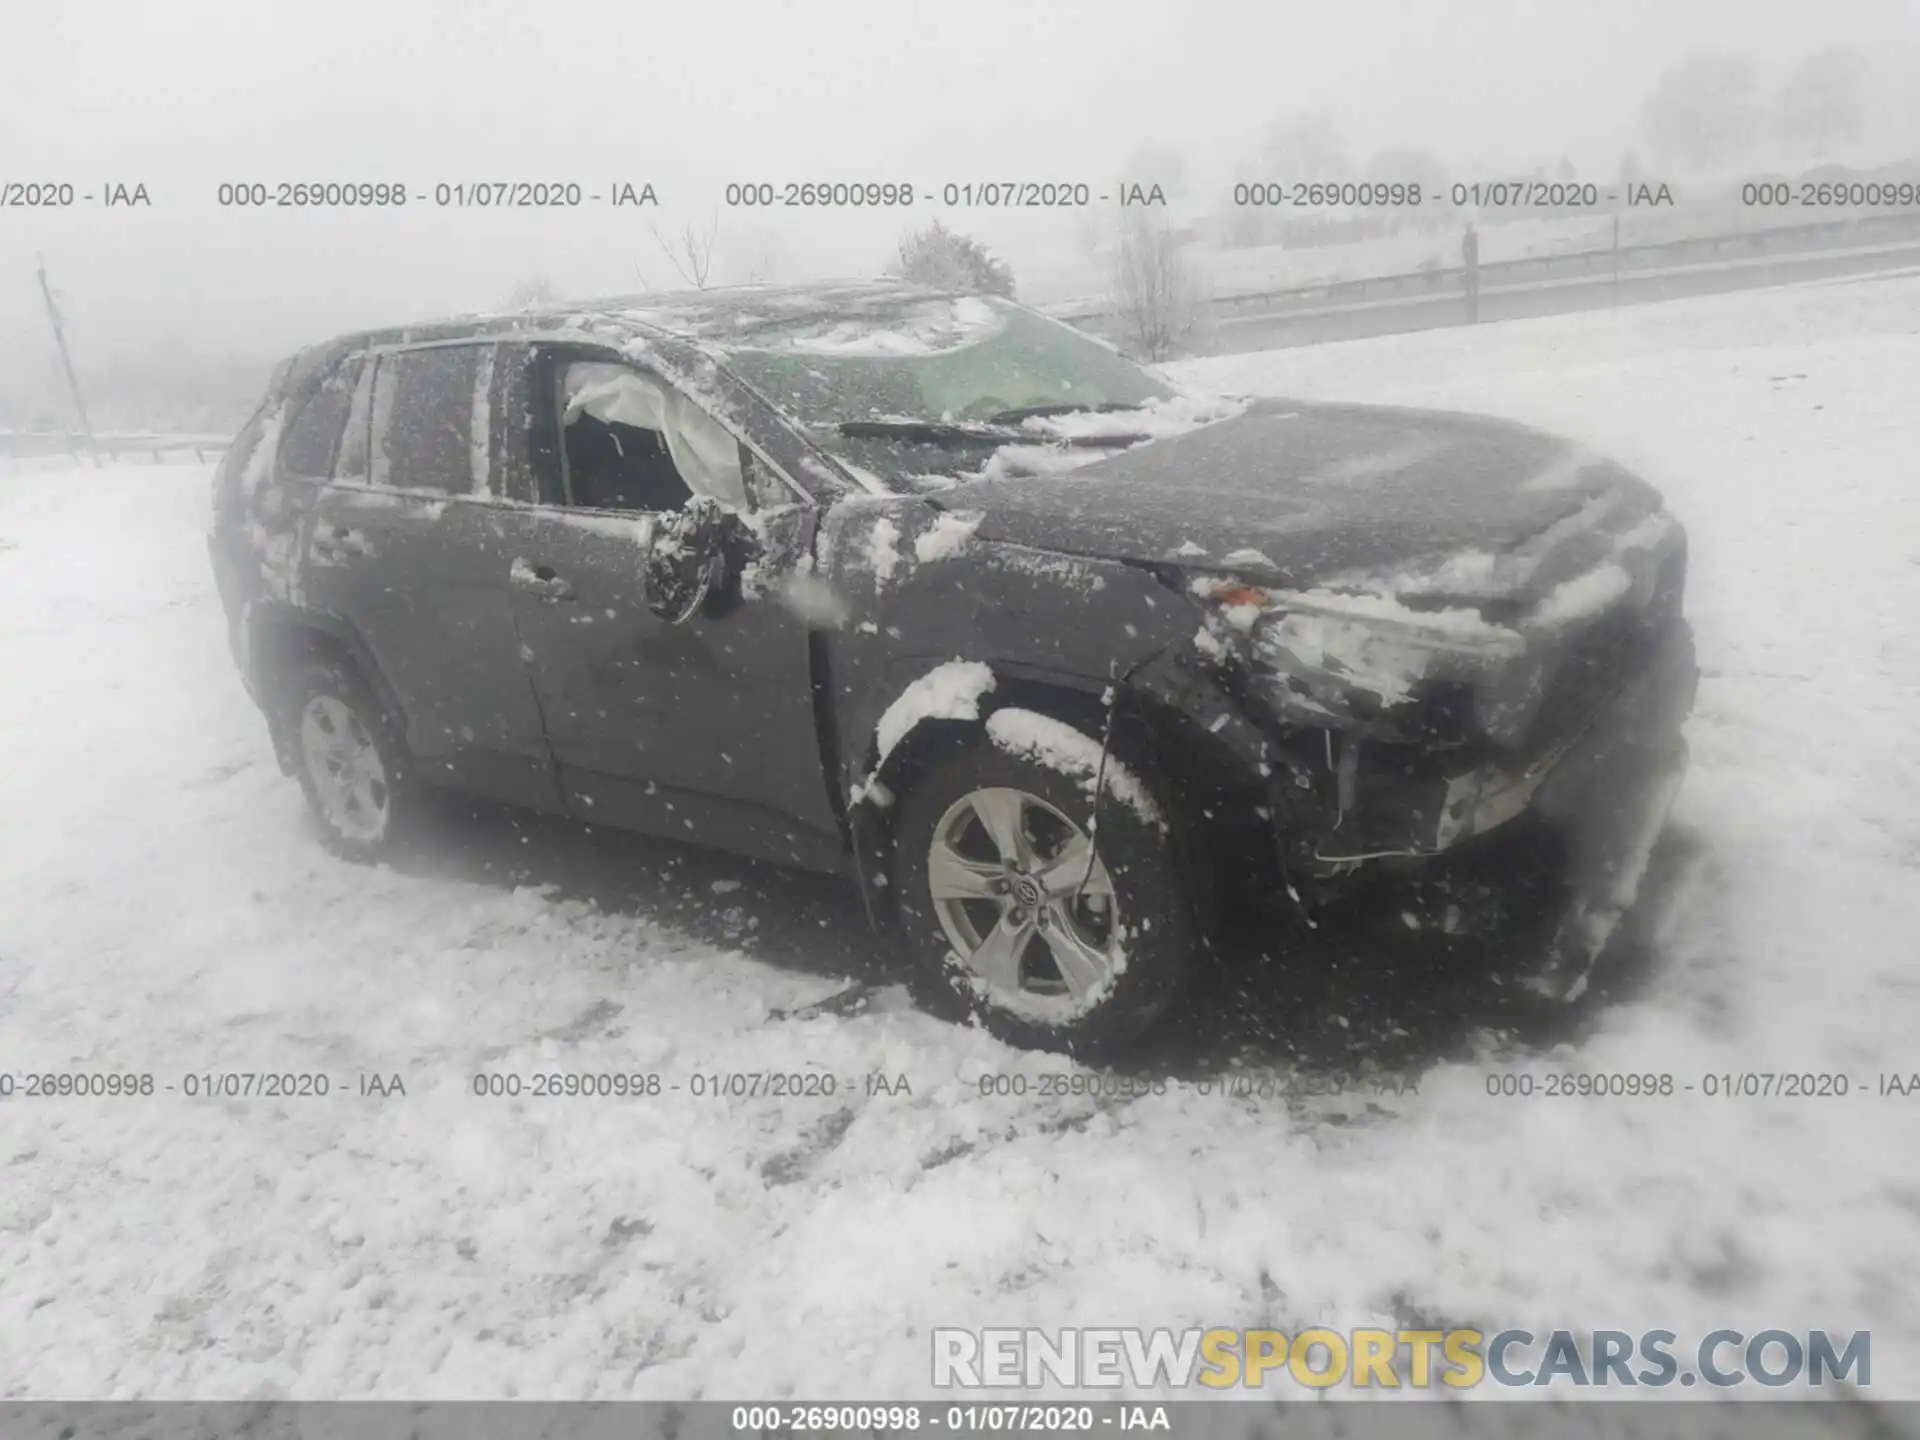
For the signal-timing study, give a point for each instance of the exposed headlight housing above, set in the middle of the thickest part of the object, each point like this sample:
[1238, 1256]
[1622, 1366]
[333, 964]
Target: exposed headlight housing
[1331, 655]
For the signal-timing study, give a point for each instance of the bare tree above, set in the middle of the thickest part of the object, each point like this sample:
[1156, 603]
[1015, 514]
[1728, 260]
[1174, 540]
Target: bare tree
[1703, 109]
[690, 252]
[1823, 99]
[1153, 288]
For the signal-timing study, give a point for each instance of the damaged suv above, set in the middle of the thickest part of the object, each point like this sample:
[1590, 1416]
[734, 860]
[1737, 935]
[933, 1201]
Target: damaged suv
[1061, 667]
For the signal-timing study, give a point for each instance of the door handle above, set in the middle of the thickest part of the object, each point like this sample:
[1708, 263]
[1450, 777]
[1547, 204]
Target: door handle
[538, 580]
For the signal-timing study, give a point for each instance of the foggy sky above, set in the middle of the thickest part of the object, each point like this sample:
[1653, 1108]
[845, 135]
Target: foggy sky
[183, 95]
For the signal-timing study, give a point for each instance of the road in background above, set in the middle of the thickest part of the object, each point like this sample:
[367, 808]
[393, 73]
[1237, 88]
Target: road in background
[1237, 321]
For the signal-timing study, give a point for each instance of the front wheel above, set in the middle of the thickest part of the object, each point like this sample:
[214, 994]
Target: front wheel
[1059, 922]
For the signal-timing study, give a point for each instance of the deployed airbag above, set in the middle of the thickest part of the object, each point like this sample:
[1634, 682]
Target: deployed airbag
[705, 453]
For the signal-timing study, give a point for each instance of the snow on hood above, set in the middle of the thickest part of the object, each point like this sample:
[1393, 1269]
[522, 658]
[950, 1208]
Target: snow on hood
[1478, 574]
[1299, 495]
[1174, 415]
[1053, 453]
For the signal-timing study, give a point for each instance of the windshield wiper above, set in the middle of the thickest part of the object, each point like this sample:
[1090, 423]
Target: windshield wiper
[942, 432]
[1042, 412]
[931, 432]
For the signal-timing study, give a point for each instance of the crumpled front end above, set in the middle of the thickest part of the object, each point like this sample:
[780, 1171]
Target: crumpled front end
[1609, 796]
[1412, 736]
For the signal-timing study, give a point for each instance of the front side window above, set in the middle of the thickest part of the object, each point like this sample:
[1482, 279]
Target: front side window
[314, 436]
[632, 443]
[423, 407]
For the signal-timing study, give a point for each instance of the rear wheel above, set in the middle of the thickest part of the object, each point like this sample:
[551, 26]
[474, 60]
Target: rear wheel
[350, 760]
[1059, 923]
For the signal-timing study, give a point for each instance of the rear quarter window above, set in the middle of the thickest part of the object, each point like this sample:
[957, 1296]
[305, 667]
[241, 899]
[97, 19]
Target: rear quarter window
[240, 450]
[314, 436]
[226, 475]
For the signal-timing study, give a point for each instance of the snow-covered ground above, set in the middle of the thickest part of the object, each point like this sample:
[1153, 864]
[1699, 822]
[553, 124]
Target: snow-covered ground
[165, 908]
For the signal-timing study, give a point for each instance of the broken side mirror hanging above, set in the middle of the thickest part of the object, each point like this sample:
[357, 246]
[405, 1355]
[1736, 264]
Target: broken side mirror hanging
[685, 563]
[696, 560]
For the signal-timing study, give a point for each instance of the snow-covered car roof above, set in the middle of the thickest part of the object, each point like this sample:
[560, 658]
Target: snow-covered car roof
[708, 317]
[726, 311]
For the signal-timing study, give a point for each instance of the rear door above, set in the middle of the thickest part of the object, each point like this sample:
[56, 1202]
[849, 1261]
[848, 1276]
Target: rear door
[703, 730]
[406, 546]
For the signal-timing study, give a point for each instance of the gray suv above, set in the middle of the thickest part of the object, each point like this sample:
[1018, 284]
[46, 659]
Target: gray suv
[1064, 669]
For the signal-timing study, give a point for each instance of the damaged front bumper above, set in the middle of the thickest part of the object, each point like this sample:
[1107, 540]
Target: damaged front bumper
[1609, 797]
[1604, 789]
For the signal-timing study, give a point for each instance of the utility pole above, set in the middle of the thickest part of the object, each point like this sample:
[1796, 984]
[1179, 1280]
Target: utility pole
[66, 361]
[1616, 258]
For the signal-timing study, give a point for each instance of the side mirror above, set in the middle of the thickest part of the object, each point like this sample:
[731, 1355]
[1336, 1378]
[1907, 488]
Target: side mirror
[695, 559]
[685, 563]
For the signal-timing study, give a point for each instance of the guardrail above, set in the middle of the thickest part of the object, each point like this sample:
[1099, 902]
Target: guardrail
[1850, 232]
[41, 446]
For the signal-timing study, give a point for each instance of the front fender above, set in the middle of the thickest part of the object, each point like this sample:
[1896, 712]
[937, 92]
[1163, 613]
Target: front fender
[937, 626]
[921, 590]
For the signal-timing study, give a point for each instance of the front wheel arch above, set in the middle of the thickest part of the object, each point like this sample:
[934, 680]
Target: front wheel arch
[870, 813]
[1205, 809]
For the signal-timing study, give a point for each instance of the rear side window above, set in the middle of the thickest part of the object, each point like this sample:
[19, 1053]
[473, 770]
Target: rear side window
[311, 440]
[423, 406]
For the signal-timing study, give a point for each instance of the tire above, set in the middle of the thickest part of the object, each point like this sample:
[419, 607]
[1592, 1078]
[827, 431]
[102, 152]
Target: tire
[350, 759]
[1048, 952]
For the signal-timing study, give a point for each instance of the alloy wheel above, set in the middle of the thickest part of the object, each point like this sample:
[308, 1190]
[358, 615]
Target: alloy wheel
[348, 777]
[1025, 901]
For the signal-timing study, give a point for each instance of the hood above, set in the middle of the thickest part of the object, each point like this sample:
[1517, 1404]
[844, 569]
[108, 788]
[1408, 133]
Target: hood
[1297, 495]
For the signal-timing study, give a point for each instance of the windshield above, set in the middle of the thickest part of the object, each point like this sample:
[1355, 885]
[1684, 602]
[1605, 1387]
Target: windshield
[936, 361]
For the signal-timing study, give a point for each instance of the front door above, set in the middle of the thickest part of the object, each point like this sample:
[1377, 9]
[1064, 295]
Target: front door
[703, 730]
